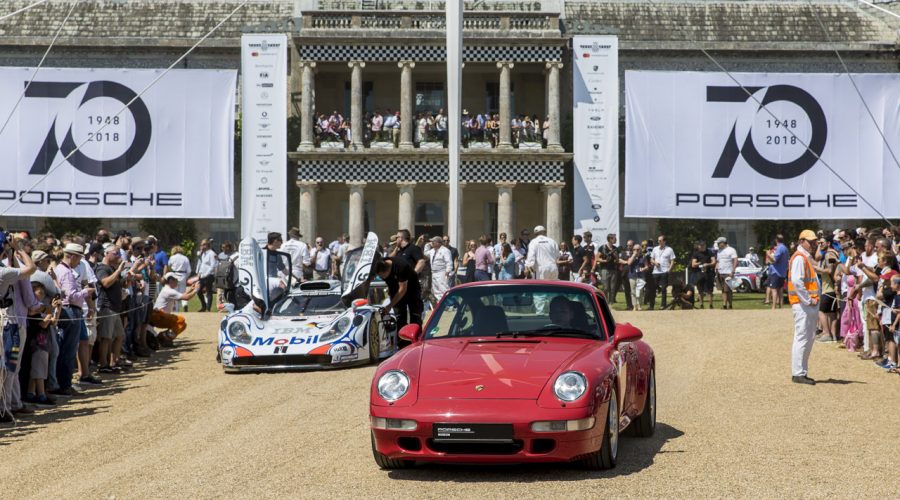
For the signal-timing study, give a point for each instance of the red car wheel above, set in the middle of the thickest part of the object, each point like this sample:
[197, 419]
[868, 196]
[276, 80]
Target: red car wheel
[605, 457]
[385, 462]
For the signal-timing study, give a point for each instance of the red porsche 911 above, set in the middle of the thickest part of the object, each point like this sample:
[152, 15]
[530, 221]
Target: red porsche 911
[511, 372]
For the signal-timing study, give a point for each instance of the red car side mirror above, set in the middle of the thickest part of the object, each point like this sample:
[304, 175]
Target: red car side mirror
[626, 333]
[411, 333]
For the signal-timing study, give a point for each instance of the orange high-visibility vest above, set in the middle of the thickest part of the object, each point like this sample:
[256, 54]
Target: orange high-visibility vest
[810, 280]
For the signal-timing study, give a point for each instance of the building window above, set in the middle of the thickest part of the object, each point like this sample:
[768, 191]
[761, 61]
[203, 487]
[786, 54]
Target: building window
[429, 96]
[429, 219]
[490, 220]
[492, 98]
[368, 99]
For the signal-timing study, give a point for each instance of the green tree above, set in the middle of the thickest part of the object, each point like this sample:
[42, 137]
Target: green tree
[682, 233]
[60, 226]
[169, 232]
[766, 230]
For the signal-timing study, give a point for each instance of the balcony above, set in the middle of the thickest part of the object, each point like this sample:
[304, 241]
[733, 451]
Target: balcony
[426, 24]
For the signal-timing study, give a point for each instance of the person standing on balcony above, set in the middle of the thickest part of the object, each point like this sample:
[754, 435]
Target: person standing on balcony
[377, 123]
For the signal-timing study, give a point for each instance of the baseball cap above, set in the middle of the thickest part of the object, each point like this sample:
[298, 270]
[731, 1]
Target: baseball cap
[169, 276]
[38, 255]
[807, 234]
[539, 229]
[721, 239]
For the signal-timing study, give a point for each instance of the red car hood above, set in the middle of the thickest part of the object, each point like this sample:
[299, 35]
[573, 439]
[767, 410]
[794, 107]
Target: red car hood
[490, 368]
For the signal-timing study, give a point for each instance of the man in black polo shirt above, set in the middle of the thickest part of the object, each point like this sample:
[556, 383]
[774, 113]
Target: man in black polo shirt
[411, 253]
[403, 287]
[608, 262]
[110, 329]
[577, 256]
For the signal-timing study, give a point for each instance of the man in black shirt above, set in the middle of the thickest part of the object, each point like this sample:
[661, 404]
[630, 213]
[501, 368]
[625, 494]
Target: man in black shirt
[589, 249]
[403, 287]
[577, 256]
[608, 262]
[110, 330]
[703, 268]
[625, 253]
[454, 254]
[411, 253]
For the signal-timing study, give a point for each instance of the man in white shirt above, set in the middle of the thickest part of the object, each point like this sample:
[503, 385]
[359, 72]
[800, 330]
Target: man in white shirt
[752, 256]
[206, 268]
[180, 266]
[540, 263]
[441, 267]
[299, 252]
[726, 263]
[803, 293]
[162, 315]
[320, 258]
[662, 257]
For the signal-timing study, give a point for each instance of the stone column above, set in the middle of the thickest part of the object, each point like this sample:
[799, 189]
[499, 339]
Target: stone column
[505, 208]
[553, 203]
[553, 139]
[308, 209]
[505, 91]
[406, 103]
[407, 217]
[357, 213]
[307, 104]
[356, 103]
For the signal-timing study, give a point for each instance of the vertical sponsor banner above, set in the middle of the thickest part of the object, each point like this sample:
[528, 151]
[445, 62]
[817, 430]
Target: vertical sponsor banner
[264, 135]
[595, 111]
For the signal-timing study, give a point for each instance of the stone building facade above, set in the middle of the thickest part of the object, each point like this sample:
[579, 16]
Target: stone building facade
[361, 56]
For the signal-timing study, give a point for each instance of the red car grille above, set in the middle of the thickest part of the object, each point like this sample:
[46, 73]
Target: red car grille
[477, 448]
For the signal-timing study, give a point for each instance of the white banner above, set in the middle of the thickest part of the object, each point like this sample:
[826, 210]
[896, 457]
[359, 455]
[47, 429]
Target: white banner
[595, 102]
[697, 146]
[264, 135]
[170, 154]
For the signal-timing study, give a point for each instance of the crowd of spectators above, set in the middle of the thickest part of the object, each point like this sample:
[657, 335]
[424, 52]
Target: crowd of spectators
[431, 128]
[76, 308]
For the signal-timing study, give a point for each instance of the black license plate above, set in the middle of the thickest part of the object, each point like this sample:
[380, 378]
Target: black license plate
[477, 433]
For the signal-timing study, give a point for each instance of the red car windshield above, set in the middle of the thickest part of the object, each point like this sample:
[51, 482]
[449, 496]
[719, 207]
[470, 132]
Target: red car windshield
[516, 310]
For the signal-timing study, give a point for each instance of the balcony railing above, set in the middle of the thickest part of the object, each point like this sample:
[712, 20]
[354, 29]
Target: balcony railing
[428, 21]
[470, 5]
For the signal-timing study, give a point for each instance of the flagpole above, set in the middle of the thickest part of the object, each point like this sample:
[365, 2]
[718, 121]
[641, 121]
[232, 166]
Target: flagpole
[454, 111]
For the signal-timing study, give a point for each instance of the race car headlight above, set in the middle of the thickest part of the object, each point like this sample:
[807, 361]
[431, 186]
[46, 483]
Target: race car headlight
[393, 385]
[239, 333]
[570, 386]
[337, 329]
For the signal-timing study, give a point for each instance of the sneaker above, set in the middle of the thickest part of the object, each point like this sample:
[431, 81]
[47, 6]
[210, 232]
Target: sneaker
[90, 379]
[109, 369]
[883, 363]
[890, 365]
[68, 391]
[43, 400]
[803, 380]
[826, 340]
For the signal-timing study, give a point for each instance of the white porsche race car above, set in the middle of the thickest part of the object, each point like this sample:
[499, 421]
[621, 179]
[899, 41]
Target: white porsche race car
[318, 324]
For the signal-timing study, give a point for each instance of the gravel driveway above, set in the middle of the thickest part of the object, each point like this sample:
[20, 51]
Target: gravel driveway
[730, 424]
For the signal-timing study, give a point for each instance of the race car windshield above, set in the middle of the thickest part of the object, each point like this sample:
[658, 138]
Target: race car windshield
[310, 305]
[528, 311]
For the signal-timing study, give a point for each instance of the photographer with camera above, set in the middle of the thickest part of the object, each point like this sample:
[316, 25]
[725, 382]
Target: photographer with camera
[16, 302]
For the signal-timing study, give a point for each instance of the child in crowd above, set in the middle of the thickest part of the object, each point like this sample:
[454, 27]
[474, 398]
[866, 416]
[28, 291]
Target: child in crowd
[895, 318]
[39, 340]
[851, 321]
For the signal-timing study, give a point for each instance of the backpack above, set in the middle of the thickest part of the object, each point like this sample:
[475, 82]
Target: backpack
[224, 275]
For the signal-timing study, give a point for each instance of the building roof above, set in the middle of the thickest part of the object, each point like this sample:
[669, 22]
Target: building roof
[141, 22]
[739, 24]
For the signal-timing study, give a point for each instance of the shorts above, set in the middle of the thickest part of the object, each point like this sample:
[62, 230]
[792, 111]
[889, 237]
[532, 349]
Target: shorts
[775, 281]
[40, 364]
[722, 282]
[110, 325]
[705, 286]
[828, 303]
[873, 322]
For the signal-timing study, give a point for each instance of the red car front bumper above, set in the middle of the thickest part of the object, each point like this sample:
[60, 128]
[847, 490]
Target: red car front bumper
[526, 446]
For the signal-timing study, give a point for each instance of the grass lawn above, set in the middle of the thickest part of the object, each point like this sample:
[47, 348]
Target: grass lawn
[745, 301]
